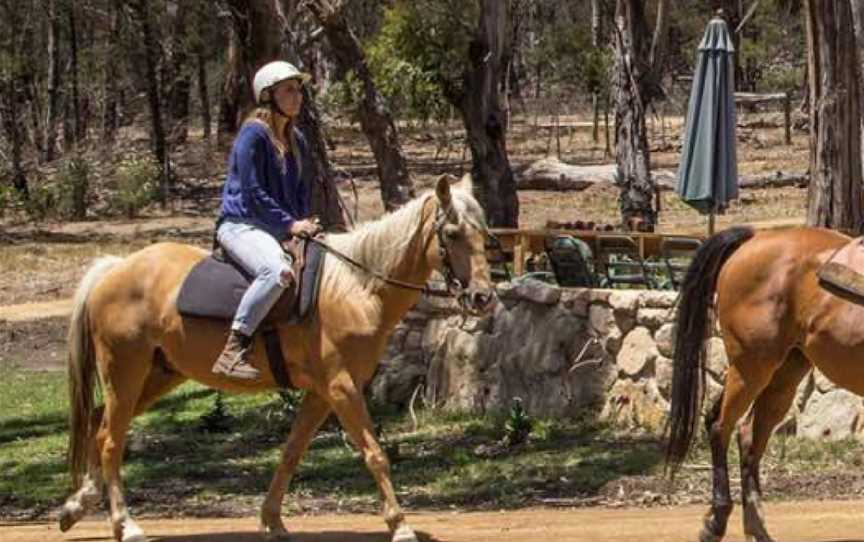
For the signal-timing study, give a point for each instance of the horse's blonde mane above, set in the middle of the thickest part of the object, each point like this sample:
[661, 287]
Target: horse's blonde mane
[380, 244]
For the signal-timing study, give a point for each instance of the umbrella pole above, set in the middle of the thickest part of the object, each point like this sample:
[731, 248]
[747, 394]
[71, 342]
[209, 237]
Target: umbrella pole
[711, 224]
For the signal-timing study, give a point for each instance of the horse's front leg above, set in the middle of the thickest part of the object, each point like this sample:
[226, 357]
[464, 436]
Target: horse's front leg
[312, 413]
[348, 403]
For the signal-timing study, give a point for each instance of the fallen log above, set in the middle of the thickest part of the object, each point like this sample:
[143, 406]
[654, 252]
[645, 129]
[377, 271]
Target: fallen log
[554, 175]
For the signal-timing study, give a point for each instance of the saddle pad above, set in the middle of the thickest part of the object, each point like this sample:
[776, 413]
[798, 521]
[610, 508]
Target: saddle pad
[841, 274]
[214, 288]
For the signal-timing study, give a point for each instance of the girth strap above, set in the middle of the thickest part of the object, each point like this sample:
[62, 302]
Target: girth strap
[275, 358]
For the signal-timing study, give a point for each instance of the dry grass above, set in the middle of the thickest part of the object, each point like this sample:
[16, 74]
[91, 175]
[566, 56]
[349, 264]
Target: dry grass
[39, 268]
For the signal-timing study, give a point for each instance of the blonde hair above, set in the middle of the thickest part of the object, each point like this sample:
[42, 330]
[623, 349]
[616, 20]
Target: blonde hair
[266, 117]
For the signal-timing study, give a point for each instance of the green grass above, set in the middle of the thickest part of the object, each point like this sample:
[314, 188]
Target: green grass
[175, 464]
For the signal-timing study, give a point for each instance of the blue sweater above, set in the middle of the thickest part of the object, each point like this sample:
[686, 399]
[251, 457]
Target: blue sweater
[256, 190]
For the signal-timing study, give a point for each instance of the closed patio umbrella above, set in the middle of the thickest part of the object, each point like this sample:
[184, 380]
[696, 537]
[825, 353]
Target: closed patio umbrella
[708, 173]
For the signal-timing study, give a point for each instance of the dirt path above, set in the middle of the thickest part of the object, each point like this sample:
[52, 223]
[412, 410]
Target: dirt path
[789, 522]
[34, 311]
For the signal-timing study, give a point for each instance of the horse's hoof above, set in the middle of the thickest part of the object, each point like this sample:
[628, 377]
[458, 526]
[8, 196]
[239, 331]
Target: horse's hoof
[69, 516]
[133, 533]
[708, 536]
[276, 534]
[404, 534]
[276, 531]
[757, 538]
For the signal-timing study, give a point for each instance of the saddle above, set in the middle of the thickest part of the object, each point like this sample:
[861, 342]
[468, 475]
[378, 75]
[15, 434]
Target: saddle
[841, 275]
[215, 286]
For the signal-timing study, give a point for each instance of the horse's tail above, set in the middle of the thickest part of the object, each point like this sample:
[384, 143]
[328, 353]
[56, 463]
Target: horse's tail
[82, 368]
[697, 296]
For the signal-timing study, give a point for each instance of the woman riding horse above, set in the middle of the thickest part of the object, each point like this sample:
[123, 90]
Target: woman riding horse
[265, 199]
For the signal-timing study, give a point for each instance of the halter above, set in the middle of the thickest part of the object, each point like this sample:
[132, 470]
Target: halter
[454, 285]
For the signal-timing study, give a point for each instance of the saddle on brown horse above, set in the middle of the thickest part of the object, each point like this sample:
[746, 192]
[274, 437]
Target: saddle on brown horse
[215, 286]
[841, 274]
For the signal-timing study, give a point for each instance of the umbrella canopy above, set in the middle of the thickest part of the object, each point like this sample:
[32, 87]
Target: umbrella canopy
[708, 174]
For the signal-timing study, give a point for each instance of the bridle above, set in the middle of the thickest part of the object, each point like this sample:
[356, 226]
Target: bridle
[455, 288]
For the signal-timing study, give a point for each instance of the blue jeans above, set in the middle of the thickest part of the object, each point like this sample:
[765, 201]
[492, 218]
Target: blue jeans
[262, 257]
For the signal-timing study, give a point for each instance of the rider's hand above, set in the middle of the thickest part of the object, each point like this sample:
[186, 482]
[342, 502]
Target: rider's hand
[305, 228]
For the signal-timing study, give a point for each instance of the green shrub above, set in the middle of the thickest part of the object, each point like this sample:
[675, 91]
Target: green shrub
[518, 425]
[137, 181]
[73, 185]
[217, 419]
[8, 198]
[41, 200]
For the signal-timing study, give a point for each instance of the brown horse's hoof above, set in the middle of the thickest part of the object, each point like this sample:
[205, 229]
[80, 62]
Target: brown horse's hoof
[404, 534]
[70, 515]
[707, 536]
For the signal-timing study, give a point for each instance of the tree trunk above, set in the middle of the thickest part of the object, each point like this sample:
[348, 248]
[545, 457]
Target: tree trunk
[52, 114]
[203, 94]
[326, 203]
[834, 196]
[595, 43]
[180, 85]
[235, 78]
[110, 122]
[10, 103]
[375, 118]
[638, 66]
[157, 132]
[78, 127]
[255, 39]
[479, 102]
[858, 23]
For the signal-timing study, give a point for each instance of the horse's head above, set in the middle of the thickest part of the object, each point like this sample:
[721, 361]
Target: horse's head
[459, 248]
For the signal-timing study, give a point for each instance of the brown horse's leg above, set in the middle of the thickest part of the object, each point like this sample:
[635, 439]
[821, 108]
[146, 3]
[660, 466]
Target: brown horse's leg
[90, 493]
[348, 403]
[738, 395]
[770, 408]
[124, 372]
[313, 411]
[159, 382]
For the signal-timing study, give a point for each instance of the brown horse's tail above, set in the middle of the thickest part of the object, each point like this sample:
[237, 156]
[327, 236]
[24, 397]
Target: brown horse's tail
[697, 296]
[82, 369]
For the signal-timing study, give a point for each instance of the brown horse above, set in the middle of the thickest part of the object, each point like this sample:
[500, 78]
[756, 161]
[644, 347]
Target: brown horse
[777, 323]
[125, 327]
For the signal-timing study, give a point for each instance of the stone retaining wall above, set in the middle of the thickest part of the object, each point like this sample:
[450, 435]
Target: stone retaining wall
[527, 348]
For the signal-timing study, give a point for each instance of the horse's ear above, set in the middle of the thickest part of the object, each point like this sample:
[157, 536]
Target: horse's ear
[466, 184]
[442, 190]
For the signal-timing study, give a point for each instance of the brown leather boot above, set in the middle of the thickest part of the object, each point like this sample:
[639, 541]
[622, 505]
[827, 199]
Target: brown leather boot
[233, 362]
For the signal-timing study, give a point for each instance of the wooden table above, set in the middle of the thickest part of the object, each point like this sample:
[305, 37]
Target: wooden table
[524, 242]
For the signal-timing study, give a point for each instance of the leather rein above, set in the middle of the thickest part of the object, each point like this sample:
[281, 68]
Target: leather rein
[454, 285]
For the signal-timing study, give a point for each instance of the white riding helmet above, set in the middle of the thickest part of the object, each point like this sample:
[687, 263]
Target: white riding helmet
[275, 72]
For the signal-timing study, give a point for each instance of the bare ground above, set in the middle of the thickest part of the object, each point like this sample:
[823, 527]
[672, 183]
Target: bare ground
[807, 521]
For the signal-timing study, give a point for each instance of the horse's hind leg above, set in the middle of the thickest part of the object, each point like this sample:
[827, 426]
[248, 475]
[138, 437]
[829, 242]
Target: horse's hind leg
[739, 390]
[347, 401]
[313, 411]
[88, 496]
[124, 369]
[770, 408]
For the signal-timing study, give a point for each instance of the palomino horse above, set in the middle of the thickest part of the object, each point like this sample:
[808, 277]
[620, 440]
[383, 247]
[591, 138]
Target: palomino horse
[777, 323]
[125, 327]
